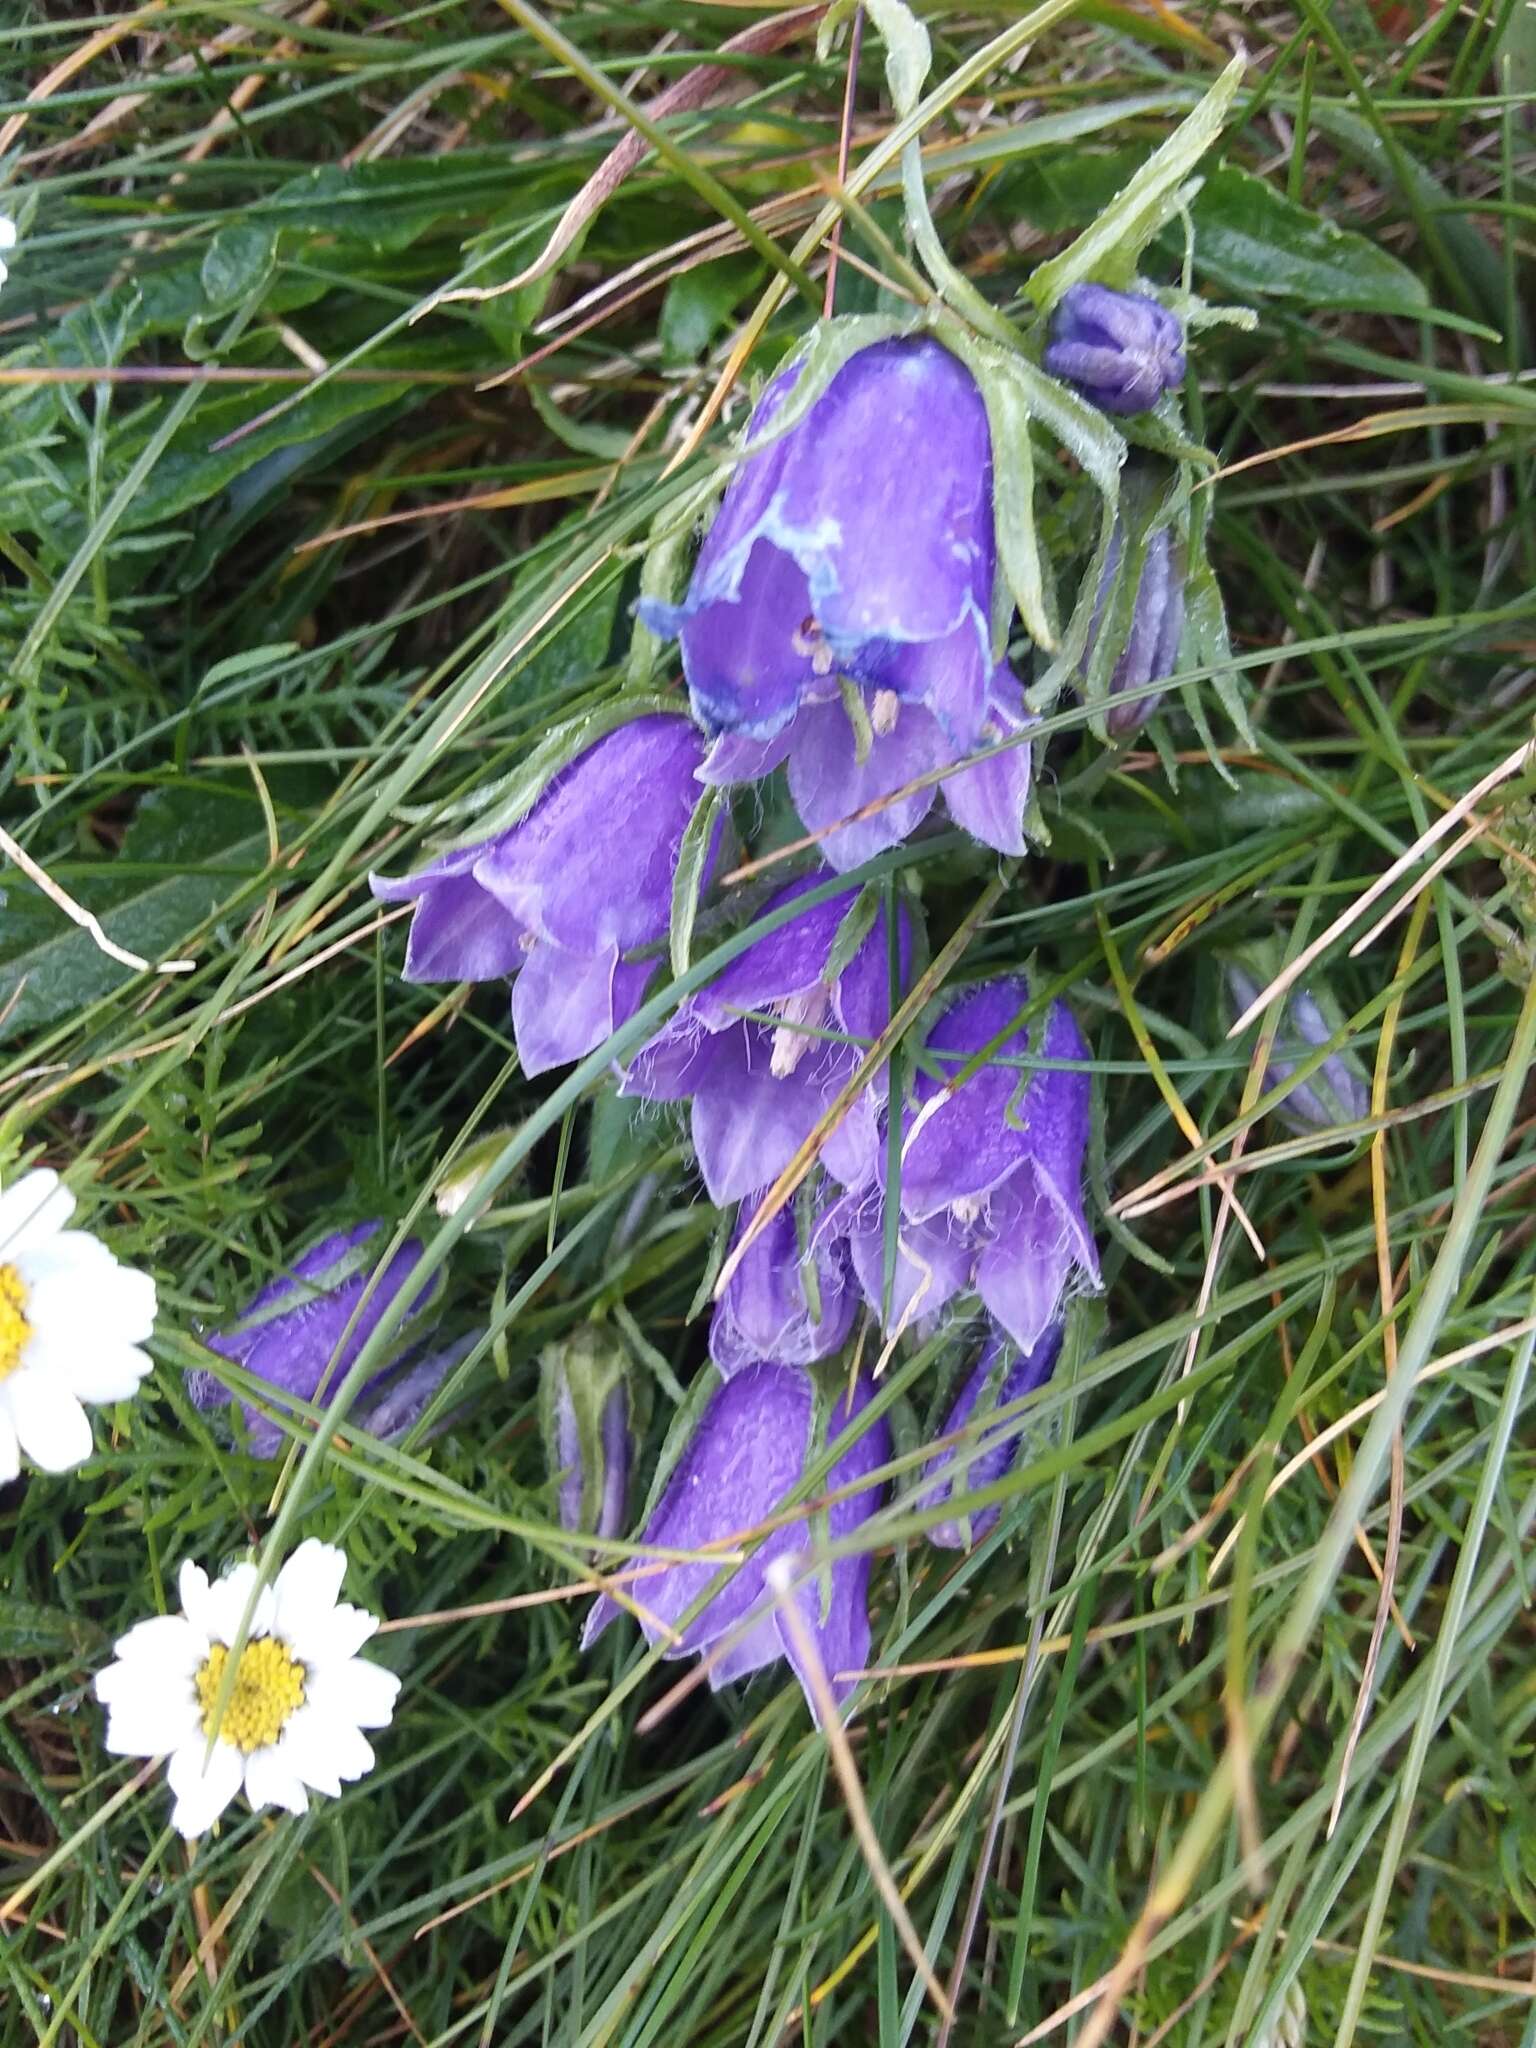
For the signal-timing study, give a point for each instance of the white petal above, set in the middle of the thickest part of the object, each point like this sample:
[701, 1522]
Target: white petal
[271, 1781]
[86, 1294]
[356, 1691]
[341, 1634]
[157, 1729]
[227, 1603]
[169, 1642]
[308, 1748]
[49, 1421]
[346, 1750]
[202, 1795]
[192, 1590]
[306, 1588]
[10, 1450]
[33, 1210]
[106, 1370]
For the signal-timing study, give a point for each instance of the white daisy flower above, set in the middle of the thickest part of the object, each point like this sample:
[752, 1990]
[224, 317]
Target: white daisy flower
[7, 243]
[300, 1700]
[71, 1323]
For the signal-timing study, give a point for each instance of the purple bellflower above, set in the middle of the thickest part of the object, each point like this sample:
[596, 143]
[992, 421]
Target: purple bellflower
[764, 1049]
[1338, 1092]
[1151, 651]
[561, 897]
[584, 1407]
[991, 1188]
[291, 1335]
[839, 615]
[1122, 350]
[785, 1301]
[750, 1450]
[1001, 1377]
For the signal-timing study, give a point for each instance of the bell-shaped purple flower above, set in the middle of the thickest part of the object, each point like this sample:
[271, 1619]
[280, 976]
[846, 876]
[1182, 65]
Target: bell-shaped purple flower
[991, 1186]
[839, 613]
[764, 1049]
[787, 1300]
[1002, 1376]
[564, 896]
[1122, 350]
[1151, 650]
[295, 1333]
[1339, 1091]
[750, 1450]
[584, 1409]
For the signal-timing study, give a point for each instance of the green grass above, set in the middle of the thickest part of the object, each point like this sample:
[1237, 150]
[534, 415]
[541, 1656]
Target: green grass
[255, 641]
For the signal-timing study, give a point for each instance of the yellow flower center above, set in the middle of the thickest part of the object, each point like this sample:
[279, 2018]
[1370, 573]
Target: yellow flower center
[269, 1684]
[15, 1330]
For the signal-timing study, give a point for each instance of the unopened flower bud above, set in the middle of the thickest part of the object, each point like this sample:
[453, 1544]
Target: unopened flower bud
[1151, 650]
[585, 1409]
[1337, 1092]
[303, 1331]
[1001, 1377]
[1122, 350]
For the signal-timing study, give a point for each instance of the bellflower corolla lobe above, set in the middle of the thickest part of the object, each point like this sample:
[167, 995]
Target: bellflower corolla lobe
[990, 1202]
[750, 1449]
[757, 1088]
[291, 1335]
[1338, 1092]
[839, 613]
[1001, 1377]
[1151, 650]
[560, 897]
[584, 1411]
[1122, 350]
[784, 1301]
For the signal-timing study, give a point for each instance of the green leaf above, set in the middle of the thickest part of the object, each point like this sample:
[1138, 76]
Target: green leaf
[187, 851]
[1253, 241]
[1110, 249]
[691, 877]
[27, 1630]
[700, 302]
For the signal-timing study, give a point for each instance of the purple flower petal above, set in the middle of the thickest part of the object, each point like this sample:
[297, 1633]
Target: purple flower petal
[1023, 1273]
[962, 1144]
[998, 1381]
[829, 783]
[764, 1311]
[989, 800]
[1122, 350]
[933, 1265]
[737, 757]
[565, 1004]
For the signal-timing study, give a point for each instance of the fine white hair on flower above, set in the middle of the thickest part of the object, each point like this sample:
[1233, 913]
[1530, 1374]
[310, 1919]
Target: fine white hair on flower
[71, 1323]
[296, 1706]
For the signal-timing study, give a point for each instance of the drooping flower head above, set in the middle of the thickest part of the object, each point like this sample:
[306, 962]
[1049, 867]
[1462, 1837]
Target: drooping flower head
[1122, 350]
[562, 898]
[1151, 651]
[1001, 1377]
[751, 1448]
[584, 1407]
[793, 1297]
[298, 1703]
[1338, 1092]
[839, 615]
[71, 1323]
[991, 1173]
[295, 1334]
[764, 1050]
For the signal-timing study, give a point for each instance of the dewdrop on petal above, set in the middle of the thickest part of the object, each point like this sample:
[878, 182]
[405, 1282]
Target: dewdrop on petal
[301, 1696]
[71, 1324]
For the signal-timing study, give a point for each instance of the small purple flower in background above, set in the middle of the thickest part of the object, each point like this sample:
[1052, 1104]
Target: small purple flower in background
[1339, 1092]
[751, 1448]
[784, 1301]
[1122, 350]
[561, 896]
[1151, 650]
[758, 1087]
[1001, 1376]
[991, 1189]
[839, 615]
[291, 1336]
[584, 1408]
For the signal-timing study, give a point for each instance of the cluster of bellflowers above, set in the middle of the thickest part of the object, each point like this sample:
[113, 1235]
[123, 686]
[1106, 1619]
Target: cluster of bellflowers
[846, 627]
